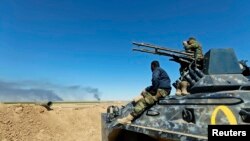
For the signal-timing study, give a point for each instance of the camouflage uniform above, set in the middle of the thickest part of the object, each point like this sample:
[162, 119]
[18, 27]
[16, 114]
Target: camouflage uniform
[148, 100]
[191, 46]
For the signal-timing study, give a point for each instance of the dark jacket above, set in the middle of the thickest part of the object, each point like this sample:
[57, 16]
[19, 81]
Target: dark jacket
[160, 79]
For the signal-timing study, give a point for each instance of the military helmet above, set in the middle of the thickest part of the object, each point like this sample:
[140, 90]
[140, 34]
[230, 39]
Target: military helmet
[191, 38]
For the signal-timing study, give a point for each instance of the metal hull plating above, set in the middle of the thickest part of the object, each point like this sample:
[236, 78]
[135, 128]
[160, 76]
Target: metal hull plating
[180, 118]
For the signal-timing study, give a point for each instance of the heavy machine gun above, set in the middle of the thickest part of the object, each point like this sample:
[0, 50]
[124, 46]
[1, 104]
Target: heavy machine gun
[191, 69]
[177, 56]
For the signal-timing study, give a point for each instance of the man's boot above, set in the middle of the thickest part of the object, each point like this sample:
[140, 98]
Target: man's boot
[126, 120]
[178, 90]
[184, 85]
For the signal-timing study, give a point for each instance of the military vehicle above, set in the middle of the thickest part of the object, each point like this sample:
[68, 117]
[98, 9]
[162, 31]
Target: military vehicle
[219, 94]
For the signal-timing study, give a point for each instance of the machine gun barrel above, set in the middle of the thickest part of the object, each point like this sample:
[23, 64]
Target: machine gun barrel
[177, 56]
[161, 48]
[161, 53]
[153, 52]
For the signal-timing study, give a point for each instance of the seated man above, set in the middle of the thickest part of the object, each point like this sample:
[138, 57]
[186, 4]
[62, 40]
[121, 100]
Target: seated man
[160, 88]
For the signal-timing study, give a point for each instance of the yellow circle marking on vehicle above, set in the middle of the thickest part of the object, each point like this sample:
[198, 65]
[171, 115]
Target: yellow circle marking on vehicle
[228, 113]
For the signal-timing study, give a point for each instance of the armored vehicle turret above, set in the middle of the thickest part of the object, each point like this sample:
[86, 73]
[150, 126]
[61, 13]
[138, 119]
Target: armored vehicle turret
[219, 94]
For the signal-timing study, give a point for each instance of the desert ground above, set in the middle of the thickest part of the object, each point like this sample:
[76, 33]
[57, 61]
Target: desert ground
[67, 122]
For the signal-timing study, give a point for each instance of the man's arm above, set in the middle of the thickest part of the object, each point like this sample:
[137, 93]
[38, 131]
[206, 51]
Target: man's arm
[194, 45]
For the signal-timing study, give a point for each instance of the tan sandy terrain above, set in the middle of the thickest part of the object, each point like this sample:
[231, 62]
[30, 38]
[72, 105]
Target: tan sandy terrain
[66, 122]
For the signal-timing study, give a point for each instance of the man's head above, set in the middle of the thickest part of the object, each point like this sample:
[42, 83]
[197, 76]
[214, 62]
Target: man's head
[191, 40]
[154, 64]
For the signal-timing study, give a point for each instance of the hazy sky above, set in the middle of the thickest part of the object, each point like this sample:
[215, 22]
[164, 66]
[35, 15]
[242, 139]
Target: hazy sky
[86, 44]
